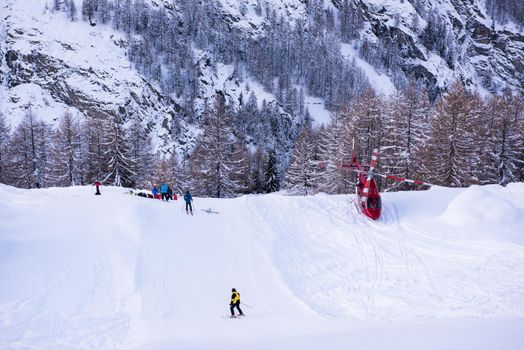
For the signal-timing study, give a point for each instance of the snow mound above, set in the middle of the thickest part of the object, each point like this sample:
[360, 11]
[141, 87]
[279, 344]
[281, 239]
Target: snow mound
[478, 208]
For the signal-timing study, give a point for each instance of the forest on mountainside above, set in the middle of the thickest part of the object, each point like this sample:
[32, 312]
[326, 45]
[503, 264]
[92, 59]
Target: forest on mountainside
[461, 140]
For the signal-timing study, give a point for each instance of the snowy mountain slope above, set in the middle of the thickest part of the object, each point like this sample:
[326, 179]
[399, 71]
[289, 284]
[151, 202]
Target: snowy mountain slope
[86, 67]
[484, 57]
[52, 65]
[381, 82]
[442, 269]
[237, 91]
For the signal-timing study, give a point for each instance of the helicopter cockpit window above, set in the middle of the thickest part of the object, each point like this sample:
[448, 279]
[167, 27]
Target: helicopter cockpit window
[374, 203]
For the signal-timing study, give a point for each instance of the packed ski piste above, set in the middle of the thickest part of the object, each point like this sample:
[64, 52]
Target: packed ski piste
[440, 269]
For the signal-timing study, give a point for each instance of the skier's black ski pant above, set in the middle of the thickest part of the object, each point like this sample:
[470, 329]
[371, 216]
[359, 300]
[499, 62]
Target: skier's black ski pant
[237, 305]
[188, 204]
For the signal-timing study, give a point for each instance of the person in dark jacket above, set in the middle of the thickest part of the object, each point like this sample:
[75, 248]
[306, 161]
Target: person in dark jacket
[169, 193]
[235, 303]
[188, 198]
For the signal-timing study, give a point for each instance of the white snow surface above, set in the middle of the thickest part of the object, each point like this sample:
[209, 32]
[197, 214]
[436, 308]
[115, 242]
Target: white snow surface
[380, 82]
[442, 269]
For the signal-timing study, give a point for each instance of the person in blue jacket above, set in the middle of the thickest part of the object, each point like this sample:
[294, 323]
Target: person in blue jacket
[188, 198]
[163, 191]
[155, 191]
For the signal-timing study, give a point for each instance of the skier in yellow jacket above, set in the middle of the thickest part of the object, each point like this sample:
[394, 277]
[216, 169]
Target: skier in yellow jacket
[235, 302]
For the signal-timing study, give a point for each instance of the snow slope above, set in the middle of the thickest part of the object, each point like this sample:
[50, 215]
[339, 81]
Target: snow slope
[442, 269]
[380, 82]
[58, 66]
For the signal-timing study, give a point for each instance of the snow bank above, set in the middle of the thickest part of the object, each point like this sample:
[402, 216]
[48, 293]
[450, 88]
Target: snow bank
[477, 206]
[486, 213]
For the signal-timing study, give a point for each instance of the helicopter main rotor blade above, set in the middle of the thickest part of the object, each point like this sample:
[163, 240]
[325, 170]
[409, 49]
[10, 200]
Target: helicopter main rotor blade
[403, 179]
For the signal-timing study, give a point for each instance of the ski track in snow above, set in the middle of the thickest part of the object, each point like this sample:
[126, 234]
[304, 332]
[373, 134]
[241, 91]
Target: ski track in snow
[377, 258]
[123, 272]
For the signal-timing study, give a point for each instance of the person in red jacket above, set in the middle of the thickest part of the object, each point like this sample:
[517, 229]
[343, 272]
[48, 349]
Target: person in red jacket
[97, 184]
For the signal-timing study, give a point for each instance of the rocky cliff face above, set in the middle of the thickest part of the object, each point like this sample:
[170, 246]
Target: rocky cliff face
[486, 56]
[481, 54]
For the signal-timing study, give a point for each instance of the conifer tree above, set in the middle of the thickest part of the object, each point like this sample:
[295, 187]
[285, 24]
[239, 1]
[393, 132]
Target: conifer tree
[57, 5]
[104, 10]
[301, 174]
[218, 162]
[365, 122]
[455, 150]
[406, 131]
[72, 12]
[94, 150]
[161, 170]
[505, 142]
[184, 176]
[257, 170]
[335, 147]
[89, 8]
[28, 149]
[142, 153]
[519, 107]
[66, 153]
[5, 136]
[45, 143]
[120, 163]
[272, 176]
[177, 175]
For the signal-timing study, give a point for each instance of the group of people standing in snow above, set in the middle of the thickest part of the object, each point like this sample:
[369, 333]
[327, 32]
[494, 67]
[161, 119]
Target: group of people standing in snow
[165, 193]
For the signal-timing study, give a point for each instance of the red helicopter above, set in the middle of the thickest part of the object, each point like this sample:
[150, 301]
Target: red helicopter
[367, 191]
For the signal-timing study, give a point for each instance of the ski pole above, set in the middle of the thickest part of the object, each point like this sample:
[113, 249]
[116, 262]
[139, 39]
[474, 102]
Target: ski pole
[246, 305]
